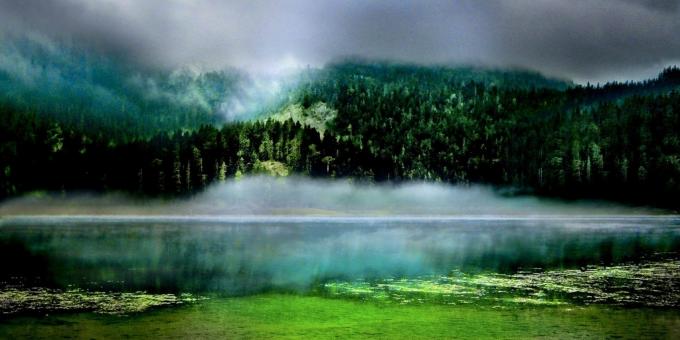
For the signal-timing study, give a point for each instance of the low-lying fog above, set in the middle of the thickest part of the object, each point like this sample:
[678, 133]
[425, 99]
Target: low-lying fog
[316, 197]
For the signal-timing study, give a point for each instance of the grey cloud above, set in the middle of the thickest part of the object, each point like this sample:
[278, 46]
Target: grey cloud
[660, 5]
[588, 42]
[585, 40]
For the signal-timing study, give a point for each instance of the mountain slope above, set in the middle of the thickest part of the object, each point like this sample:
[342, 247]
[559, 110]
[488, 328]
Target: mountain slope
[89, 91]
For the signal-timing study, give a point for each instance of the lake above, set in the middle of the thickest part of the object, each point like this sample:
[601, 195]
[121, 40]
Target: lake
[92, 273]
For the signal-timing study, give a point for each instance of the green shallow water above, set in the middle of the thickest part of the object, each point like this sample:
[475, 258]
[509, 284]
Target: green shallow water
[648, 284]
[294, 316]
[340, 278]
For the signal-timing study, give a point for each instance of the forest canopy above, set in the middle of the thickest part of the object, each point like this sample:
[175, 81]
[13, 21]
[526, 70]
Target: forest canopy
[363, 120]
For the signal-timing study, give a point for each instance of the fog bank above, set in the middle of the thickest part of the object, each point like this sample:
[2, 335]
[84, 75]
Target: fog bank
[265, 196]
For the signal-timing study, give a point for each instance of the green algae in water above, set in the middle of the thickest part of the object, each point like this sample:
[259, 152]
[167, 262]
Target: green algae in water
[650, 284]
[223, 260]
[15, 300]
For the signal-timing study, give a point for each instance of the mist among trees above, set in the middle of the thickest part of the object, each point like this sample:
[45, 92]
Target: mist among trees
[373, 122]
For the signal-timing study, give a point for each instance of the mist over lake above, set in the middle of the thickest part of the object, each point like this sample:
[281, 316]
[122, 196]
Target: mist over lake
[345, 169]
[298, 196]
[254, 255]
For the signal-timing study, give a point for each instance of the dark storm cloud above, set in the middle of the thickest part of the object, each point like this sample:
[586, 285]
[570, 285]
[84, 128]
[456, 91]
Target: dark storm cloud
[581, 39]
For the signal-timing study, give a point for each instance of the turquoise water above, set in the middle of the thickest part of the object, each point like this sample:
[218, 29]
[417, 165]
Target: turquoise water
[264, 277]
[237, 256]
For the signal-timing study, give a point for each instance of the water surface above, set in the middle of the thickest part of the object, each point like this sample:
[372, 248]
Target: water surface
[245, 255]
[330, 277]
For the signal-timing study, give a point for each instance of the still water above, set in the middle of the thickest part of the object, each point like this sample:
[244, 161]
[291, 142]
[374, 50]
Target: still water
[238, 256]
[295, 277]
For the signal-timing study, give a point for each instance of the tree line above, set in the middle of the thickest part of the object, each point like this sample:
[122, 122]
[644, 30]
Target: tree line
[392, 124]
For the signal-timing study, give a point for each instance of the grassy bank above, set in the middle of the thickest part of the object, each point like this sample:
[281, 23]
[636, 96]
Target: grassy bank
[291, 316]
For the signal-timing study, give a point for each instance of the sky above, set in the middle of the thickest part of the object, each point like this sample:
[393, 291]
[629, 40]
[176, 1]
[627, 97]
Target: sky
[583, 40]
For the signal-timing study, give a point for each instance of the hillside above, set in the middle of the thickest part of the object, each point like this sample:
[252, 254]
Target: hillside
[369, 121]
[89, 91]
[314, 99]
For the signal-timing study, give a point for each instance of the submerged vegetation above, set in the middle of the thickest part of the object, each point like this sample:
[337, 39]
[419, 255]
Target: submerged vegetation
[479, 306]
[18, 300]
[651, 284]
[276, 278]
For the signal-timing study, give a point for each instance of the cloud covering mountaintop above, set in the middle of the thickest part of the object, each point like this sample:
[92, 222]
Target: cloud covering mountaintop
[582, 40]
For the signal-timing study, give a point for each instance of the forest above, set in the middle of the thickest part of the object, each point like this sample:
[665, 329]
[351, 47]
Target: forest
[370, 122]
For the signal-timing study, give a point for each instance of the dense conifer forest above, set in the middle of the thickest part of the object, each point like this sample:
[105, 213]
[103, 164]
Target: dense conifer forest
[369, 122]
